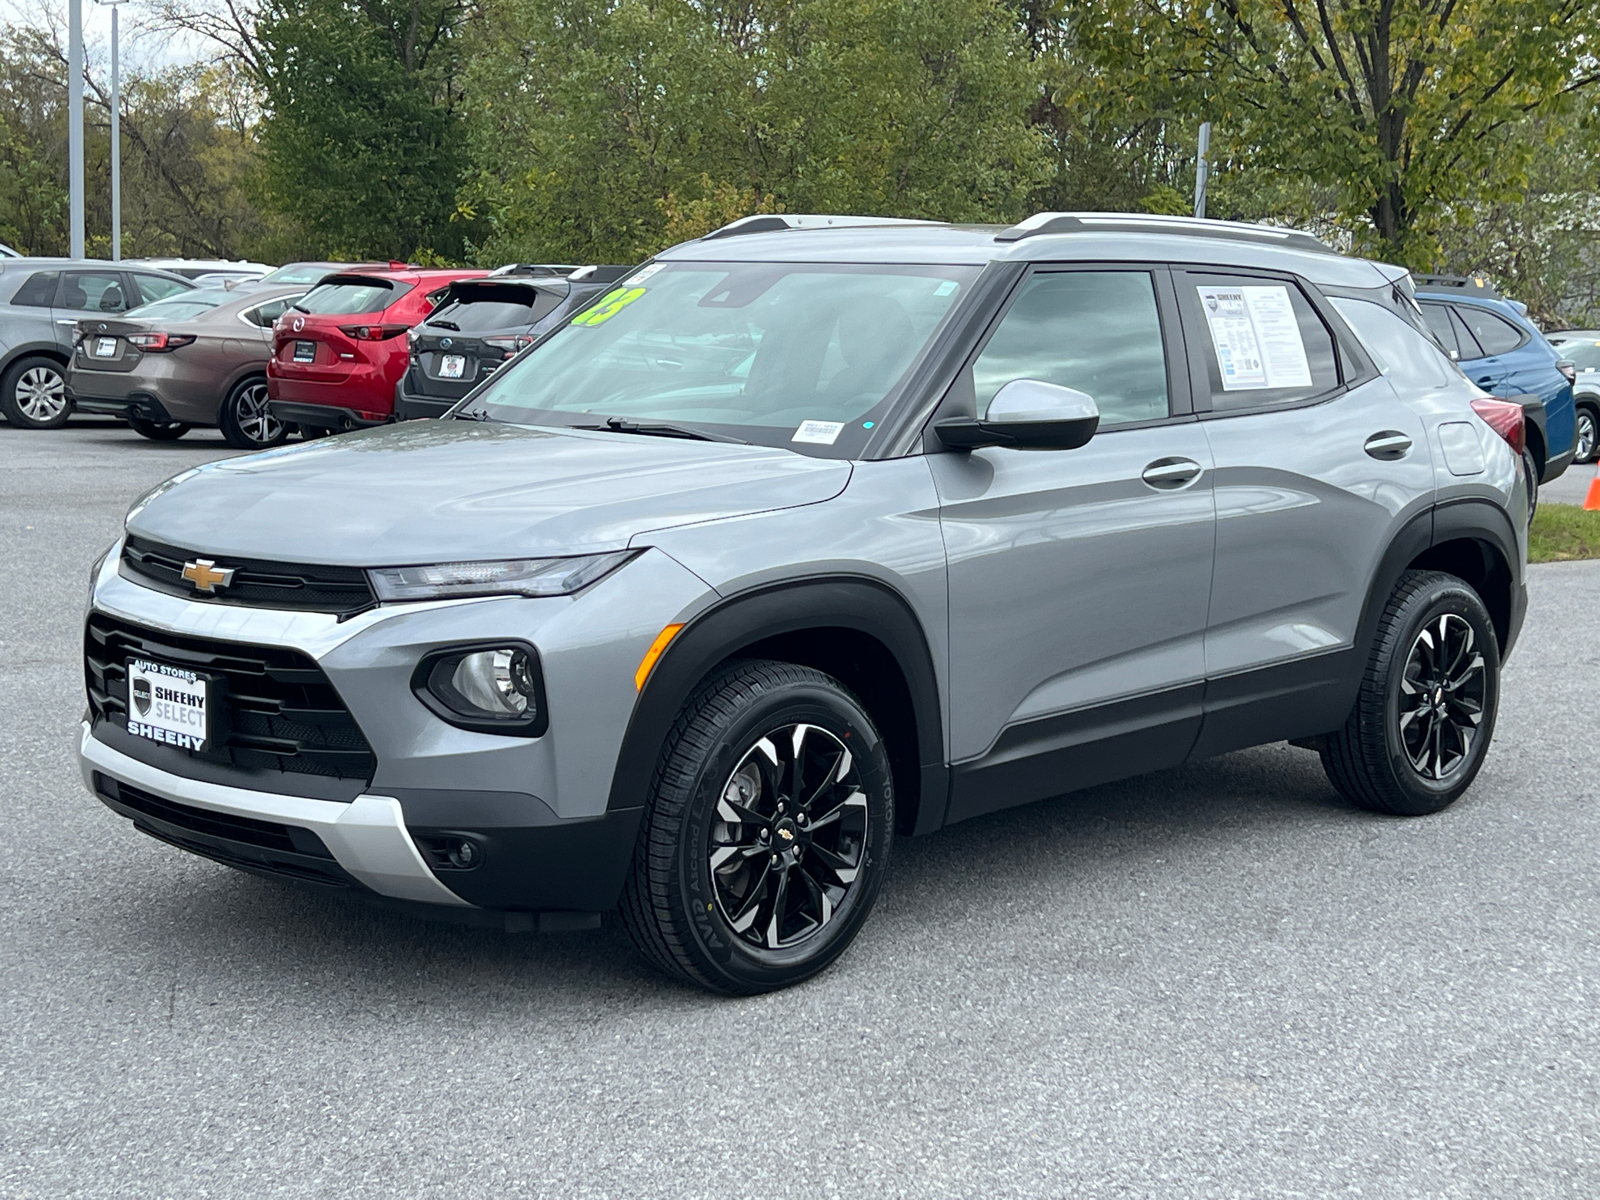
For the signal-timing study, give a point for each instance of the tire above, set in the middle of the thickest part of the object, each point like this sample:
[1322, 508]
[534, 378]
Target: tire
[1386, 757]
[1530, 474]
[33, 393]
[735, 927]
[158, 431]
[246, 421]
[1588, 443]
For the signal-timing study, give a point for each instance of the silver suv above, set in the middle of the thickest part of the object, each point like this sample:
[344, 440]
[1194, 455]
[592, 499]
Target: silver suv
[813, 532]
[41, 302]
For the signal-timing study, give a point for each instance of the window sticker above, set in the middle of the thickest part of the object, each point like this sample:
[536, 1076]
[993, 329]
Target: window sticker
[1256, 337]
[608, 306]
[818, 433]
[946, 288]
[640, 276]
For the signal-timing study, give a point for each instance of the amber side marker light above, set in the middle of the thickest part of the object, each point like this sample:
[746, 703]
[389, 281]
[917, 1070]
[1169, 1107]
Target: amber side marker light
[650, 655]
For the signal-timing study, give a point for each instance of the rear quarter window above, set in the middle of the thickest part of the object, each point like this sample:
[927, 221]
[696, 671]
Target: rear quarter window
[1405, 357]
[38, 290]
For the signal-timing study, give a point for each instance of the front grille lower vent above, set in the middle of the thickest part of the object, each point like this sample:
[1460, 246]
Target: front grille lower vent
[256, 582]
[276, 711]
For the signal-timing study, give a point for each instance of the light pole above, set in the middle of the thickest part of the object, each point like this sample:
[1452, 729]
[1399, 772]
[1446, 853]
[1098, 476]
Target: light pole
[75, 123]
[1202, 169]
[116, 138]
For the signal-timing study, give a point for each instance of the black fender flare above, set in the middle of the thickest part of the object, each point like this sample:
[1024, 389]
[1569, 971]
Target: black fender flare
[835, 601]
[44, 349]
[1469, 518]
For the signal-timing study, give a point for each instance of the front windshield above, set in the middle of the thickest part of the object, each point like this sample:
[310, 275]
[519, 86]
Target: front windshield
[799, 354]
[183, 306]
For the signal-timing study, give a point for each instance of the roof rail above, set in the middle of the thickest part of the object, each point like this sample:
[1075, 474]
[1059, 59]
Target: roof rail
[1475, 285]
[1041, 224]
[777, 222]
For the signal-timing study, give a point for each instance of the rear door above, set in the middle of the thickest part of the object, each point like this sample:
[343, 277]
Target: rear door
[1078, 579]
[1318, 463]
[84, 293]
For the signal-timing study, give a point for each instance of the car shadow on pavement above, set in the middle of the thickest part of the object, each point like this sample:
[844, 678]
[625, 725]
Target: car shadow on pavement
[225, 925]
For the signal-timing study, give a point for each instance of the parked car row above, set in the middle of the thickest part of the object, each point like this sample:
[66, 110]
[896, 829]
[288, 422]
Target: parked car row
[260, 352]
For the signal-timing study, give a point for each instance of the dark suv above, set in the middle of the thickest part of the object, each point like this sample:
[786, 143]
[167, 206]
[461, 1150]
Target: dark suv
[1503, 352]
[481, 323]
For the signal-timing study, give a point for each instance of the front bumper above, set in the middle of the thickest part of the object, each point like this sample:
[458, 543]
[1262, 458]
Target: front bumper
[539, 810]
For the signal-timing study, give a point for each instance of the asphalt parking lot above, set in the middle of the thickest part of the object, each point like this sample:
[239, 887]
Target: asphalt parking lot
[1214, 981]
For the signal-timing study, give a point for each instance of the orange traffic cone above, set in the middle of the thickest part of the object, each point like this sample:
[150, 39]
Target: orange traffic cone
[1591, 502]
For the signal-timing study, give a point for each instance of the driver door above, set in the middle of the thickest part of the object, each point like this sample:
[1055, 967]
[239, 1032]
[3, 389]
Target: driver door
[1079, 579]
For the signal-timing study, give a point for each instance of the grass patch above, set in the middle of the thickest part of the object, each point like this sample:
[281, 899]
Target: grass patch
[1563, 532]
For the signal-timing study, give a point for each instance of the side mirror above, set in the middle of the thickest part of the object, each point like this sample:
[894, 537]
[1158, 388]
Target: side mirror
[1026, 414]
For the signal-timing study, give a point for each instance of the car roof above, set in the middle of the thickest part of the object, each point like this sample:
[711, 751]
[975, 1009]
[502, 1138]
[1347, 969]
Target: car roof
[31, 263]
[407, 274]
[1053, 237]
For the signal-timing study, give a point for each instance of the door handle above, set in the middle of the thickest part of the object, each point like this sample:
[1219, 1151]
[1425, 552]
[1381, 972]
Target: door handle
[1486, 381]
[1388, 445]
[66, 321]
[1169, 474]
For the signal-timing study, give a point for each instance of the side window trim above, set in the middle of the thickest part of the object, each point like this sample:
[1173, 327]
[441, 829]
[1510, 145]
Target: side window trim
[1464, 335]
[1351, 365]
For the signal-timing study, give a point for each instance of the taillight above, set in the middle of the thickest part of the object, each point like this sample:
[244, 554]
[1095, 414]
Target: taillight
[1506, 419]
[509, 345]
[156, 343]
[1569, 369]
[372, 333]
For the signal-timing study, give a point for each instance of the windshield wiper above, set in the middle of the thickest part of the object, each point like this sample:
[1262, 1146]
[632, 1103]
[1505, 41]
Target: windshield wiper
[472, 414]
[660, 429]
[445, 325]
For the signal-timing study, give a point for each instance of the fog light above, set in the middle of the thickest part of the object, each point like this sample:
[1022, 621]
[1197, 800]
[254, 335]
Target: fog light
[500, 682]
[463, 855]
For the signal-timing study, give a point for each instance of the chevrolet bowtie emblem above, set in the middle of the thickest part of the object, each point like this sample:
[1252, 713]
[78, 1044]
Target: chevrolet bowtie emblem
[786, 835]
[206, 575]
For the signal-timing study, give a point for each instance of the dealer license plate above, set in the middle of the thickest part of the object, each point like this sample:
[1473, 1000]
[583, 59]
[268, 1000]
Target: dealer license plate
[105, 347]
[305, 352]
[452, 365]
[168, 704]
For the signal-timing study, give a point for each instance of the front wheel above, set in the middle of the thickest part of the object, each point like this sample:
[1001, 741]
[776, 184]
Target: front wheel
[767, 832]
[246, 421]
[157, 431]
[1425, 713]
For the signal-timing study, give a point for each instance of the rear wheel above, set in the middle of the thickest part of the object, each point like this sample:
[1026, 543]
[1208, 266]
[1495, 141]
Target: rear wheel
[33, 393]
[767, 833]
[158, 431]
[1425, 713]
[1530, 474]
[1588, 424]
[246, 421]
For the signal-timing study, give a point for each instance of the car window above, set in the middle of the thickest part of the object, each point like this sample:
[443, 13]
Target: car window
[38, 290]
[1400, 351]
[1469, 344]
[1096, 331]
[1583, 355]
[154, 287]
[1260, 338]
[92, 291]
[497, 308]
[1438, 318]
[350, 296]
[265, 315]
[184, 305]
[1494, 333]
[803, 355]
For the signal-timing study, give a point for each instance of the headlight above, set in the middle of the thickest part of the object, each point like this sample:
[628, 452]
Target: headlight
[512, 577]
[488, 687]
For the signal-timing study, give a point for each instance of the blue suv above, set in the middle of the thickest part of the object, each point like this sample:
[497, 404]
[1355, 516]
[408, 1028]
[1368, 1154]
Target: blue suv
[1503, 352]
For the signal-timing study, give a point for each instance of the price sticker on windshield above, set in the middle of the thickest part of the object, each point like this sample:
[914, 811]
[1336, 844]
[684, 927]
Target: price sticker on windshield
[608, 306]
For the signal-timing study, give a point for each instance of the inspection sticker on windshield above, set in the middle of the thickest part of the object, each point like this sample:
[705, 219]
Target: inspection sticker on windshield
[608, 306]
[1256, 337]
[819, 433]
[640, 276]
[167, 704]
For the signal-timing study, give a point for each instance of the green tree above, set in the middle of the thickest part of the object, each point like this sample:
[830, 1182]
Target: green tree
[1407, 109]
[361, 143]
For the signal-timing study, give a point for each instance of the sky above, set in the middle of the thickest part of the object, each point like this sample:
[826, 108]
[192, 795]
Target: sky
[140, 50]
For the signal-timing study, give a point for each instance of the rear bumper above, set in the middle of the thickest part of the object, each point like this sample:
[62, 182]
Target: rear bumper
[138, 404]
[324, 416]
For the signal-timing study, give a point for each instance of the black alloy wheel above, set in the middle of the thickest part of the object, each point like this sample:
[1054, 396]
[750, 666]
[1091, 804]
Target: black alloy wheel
[1425, 714]
[767, 833]
[246, 420]
[158, 431]
[1530, 475]
[790, 836]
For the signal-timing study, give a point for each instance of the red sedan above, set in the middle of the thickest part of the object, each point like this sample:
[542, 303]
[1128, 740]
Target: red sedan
[338, 353]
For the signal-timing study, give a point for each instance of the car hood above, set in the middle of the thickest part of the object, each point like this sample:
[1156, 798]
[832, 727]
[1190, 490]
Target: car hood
[442, 491]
